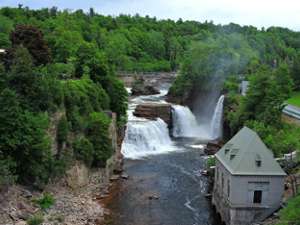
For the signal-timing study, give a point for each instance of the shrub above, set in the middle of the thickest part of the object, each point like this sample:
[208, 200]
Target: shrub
[7, 172]
[211, 162]
[290, 215]
[83, 97]
[62, 130]
[35, 219]
[46, 201]
[98, 135]
[83, 150]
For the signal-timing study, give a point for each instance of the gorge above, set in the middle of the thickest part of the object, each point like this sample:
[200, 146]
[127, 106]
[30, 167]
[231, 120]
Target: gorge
[165, 184]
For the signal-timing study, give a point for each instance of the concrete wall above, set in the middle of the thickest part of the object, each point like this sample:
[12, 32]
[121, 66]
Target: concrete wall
[238, 208]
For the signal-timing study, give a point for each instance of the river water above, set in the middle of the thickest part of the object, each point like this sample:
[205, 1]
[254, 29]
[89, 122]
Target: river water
[165, 185]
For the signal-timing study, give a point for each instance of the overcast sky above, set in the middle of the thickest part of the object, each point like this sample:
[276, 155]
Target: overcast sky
[260, 13]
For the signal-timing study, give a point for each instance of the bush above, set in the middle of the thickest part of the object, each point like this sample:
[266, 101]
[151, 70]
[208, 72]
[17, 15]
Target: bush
[62, 130]
[83, 150]
[46, 201]
[98, 134]
[83, 97]
[36, 219]
[211, 161]
[7, 172]
[290, 215]
[118, 97]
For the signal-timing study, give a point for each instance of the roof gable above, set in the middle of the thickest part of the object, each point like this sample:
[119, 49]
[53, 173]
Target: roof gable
[246, 154]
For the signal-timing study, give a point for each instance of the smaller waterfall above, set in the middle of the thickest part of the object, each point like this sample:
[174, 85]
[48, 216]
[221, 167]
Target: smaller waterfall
[216, 122]
[186, 125]
[184, 122]
[145, 138]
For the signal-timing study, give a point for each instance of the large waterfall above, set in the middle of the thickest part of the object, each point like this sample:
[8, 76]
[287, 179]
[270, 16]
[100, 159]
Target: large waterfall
[146, 137]
[185, 123]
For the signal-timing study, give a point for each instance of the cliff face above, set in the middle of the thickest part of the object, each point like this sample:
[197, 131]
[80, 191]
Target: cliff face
[75, 194]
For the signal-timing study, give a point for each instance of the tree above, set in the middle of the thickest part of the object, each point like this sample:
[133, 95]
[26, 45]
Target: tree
[97, 134]
[84, 150]
[23, 140]
[118, 97]
[88, 56]
[31, 38]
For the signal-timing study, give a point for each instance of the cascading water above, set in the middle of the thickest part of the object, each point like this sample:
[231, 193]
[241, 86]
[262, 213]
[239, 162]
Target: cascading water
[145, 137]
[216, 123]
[185, 123]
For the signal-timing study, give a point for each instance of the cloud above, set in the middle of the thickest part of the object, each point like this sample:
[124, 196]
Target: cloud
[260, 13]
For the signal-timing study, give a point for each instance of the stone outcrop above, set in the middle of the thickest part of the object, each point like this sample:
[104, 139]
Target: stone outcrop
[155, 110]
[77, 176]
[144, 90]
[212, 148]
[141, 87]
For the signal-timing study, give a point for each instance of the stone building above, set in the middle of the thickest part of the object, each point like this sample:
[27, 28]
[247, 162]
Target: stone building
[249, 183]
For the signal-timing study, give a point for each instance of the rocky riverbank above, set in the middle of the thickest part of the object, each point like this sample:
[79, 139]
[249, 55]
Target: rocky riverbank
[73, 199]
[71, 206]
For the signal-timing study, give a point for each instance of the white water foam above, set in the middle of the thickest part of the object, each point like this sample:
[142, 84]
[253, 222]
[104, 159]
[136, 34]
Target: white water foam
[185, 123]
[216, 123]
[144, 138]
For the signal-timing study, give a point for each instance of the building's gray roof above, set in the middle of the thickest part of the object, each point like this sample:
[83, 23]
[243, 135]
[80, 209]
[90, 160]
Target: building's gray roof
[247, 148]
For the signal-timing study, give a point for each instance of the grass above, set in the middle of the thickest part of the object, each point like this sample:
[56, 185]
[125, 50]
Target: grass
[295, 99]
[45, 202]
[36, 219]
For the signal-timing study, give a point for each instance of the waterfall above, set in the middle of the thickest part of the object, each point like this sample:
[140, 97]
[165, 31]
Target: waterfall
[216, 122]
[145, 138]
[185, 123]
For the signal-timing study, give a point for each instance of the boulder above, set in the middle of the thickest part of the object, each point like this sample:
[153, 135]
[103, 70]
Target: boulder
[144, 90]
[212, 148]
[141, 87]
[155, 110]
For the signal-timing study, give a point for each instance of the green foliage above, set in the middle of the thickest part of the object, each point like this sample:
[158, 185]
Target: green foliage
[62, 130]
[36, 219]
[97, 134]
[213, 59]
[295, 99]
[210, 162]
[45, 201]
[24, 139]
[7, 172]
[84, 150]
[118, 97]
[290, 215]
[83, 97]
[31, 38]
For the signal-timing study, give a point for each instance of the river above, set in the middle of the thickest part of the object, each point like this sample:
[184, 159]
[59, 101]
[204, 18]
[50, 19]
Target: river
[165, 185]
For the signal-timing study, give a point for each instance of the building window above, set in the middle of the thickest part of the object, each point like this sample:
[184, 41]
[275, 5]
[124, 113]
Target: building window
[257, 197]
[228, 188]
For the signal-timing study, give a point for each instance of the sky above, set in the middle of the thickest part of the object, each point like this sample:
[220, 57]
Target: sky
[259, 13]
